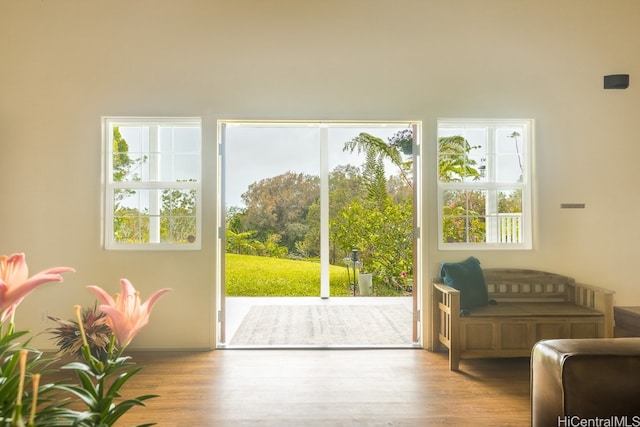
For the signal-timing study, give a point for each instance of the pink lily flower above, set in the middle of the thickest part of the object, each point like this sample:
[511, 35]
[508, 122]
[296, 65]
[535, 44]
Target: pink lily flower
[126, 316]
[15, 283]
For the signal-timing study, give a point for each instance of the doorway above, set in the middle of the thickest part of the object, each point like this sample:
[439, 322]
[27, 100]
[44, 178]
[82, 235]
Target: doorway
[309, 210]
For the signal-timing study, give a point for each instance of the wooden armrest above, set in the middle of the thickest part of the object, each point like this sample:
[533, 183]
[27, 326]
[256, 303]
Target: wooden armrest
[598, 289]
[597, 298]
[445, 321]
[445, 289]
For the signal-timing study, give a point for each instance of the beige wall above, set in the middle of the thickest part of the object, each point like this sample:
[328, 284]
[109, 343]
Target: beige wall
[66, 63]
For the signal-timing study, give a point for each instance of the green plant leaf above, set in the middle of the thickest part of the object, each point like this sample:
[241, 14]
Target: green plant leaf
[121, 408]
[86, 396]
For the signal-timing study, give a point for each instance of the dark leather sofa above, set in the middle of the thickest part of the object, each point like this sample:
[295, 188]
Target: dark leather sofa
[578, 381]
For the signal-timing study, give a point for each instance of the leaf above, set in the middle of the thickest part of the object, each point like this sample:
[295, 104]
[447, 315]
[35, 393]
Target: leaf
[78, 366]
[121, 408]
[86, 396]
[120, 381]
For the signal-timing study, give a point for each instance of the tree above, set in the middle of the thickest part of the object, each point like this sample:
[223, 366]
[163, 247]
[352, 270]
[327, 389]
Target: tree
[463, 217]
[122, 162]
[345, 186]
[372, 145]
[178, 216]
[380, 224]
[127, 224]
[384, 237]
[240, 242]
[463, 211]
[280, 205]
[178, 207]
[375, 181]
[454, 163]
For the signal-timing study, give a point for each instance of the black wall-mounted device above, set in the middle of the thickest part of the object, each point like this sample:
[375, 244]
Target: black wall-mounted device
[616, 81]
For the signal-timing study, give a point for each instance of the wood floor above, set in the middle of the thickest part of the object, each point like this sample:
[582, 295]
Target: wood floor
[382, 387]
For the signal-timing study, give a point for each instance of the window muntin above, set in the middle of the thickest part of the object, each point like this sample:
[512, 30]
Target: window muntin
[484, 186]
[152, 183]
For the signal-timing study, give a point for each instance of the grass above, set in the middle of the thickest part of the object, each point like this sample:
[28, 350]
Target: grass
[256, 276]
[248, 275]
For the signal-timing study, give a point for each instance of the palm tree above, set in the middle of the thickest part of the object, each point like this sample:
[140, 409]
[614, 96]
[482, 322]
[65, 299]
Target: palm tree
[453, 159]
[378, 149]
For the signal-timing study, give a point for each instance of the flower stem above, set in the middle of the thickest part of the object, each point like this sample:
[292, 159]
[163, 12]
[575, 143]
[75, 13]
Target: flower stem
[23, 369]
[34, 403]
[78, 310]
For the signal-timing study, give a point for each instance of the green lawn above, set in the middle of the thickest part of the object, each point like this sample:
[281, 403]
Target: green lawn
[248, 275]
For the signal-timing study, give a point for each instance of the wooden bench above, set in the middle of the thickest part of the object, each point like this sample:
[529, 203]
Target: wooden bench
[531, 306]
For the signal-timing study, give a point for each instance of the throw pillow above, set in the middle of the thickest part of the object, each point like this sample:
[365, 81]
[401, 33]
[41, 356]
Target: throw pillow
[467, 277]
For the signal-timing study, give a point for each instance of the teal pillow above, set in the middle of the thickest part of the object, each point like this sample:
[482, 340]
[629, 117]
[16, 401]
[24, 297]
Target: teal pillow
[467, 277]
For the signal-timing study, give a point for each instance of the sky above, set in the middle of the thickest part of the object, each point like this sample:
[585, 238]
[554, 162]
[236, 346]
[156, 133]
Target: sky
[252, 153]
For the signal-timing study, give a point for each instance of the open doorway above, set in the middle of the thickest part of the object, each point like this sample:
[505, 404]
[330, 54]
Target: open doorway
[318, 232]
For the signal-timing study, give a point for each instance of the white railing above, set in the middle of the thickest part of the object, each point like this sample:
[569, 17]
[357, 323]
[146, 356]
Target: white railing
[510, 228]
[504, 228]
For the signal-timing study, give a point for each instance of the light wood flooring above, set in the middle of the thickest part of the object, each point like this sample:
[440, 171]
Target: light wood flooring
[380, 387]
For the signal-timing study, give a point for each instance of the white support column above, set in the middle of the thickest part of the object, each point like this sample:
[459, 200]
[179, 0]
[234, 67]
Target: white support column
[324, 212]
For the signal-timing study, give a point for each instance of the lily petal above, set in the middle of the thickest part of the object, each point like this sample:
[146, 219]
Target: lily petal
[15, 283]
[14, 268]
[148, 305]
[125, 315]
[102, 294]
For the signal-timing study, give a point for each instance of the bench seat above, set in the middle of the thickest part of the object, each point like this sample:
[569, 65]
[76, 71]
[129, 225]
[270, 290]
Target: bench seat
[531, 306]
[532, 309]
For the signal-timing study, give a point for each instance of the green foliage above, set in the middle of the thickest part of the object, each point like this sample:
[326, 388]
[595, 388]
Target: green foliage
[178, 216]
[379, 226]
[100, 381]
[399, 144]
[279, 205]
[366, 210]
[454, 163]
[510, 201]
[403, 141]
[247, 275]
[462, 225]
[99, 389]
[131, 225]
[461, 219]
[375, 181]
[241, 242]
[50, 402]
[369, 144]
[122, 162]
[383, 236]
[463, 214]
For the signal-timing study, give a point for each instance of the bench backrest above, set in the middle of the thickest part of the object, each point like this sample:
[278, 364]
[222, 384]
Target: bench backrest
[521, 284]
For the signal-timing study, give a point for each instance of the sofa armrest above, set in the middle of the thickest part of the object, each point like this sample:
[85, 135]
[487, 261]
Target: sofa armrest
[585, 379]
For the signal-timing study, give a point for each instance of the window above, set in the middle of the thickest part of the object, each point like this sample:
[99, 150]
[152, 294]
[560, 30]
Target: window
[484, 184]
[152, 183]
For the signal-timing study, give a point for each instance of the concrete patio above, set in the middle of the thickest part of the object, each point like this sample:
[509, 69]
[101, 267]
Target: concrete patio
[237, 309]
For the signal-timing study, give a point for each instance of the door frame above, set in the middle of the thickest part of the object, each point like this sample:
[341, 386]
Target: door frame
[220, 290]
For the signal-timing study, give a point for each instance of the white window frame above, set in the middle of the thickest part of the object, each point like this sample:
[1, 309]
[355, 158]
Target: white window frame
[110, 186]
[525, 240]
